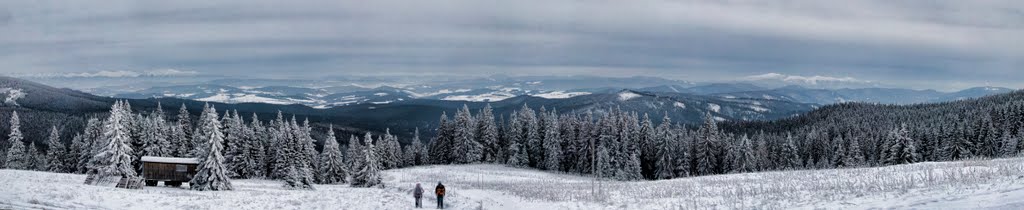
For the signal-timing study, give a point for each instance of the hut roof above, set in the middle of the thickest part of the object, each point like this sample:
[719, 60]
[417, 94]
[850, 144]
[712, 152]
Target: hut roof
[153, 159]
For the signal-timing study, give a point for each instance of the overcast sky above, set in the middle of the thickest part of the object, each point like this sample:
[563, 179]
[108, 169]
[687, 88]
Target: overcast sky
[943, 44]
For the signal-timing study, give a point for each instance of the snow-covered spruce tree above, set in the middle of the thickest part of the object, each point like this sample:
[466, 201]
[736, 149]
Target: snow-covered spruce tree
[15, 157]
[154, 137]
[155, 132]
[331, 167]
[707, 147]
[607, 164]
[530, 138]
[790, 154]
[487, 134]
[297, 173]
[838, 157]
[91, 145]
[308, 143]
[744, 158]
[552, 144]
[236, 146]
[664, 150]
[629, 154]
[602, 163]
[384, 151]
[854, 156]
[440, 148]
[764, 160]
[277, 158]
[35, 160]
[354, 153]
[115, 157]
[77, 147]
[302, 153]
[903, 150]
[415, 153]
[646, 140]
[368, 174]
[1009, 145]
[181, 134]
[395, 150]
[211, 174]
[55, 152]
[513, 136]
[466, 148]
[199, 137]
[256, 136]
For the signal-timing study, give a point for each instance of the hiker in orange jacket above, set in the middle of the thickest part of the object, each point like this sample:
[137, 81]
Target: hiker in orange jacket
[440, 195]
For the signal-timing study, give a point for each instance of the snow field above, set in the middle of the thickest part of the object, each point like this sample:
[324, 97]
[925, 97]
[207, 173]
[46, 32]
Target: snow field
[971, 184]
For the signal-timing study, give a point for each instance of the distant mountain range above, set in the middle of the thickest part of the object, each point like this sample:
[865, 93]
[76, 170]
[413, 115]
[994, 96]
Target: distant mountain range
[403, 116]
[372, 90]
[871, 95]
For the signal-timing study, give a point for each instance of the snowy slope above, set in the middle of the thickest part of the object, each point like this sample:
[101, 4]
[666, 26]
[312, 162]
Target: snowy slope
[982, 184]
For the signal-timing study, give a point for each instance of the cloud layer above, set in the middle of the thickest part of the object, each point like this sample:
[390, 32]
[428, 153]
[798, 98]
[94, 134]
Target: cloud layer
[914, 42]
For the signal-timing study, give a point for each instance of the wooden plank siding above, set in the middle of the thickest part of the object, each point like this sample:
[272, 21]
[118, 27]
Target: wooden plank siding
[168, 171]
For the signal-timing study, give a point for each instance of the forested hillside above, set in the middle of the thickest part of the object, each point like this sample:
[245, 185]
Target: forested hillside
[624, 136]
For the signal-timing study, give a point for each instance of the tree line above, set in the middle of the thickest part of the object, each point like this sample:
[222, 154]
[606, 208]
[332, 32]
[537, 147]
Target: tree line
[609, 143]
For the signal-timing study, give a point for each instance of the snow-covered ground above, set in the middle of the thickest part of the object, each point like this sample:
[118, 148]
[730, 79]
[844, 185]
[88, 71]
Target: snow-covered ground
[980, 184]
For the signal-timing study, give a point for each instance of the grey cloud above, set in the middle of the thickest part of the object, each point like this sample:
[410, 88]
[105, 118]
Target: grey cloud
[971, 41]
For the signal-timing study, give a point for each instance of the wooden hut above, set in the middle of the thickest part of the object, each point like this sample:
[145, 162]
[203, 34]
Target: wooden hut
[171, 171]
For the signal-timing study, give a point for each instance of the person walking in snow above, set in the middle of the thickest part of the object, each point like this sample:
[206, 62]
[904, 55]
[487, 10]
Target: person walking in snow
[440, 195]
[418, 194]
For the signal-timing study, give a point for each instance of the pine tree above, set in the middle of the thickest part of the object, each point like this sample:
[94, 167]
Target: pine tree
[552, 145]
[530, 138]
[236, 148]
[90, 146]
[302, 155]
[415, 153]
[368, 174]
[332, 164]
[181, 134]
[664, 148]
[840, 155]
[960, 148]
[354, 153]
[389, 151]
[278, 144]
[647, 141]
[298, 174]
[154, 137]
[55, 153]
[761, 152]
[441, 147]
[307, 142]
[707, 139]
[199, 135]
[602, 162]
[466, 148]
[256, 136]
[15, 158]
[77, 147]
[34, 158]
[790, 154]
[487, 134]
[903, 150]
[115, 157]
[745, 156]
[1009, 145]
[854, 155]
